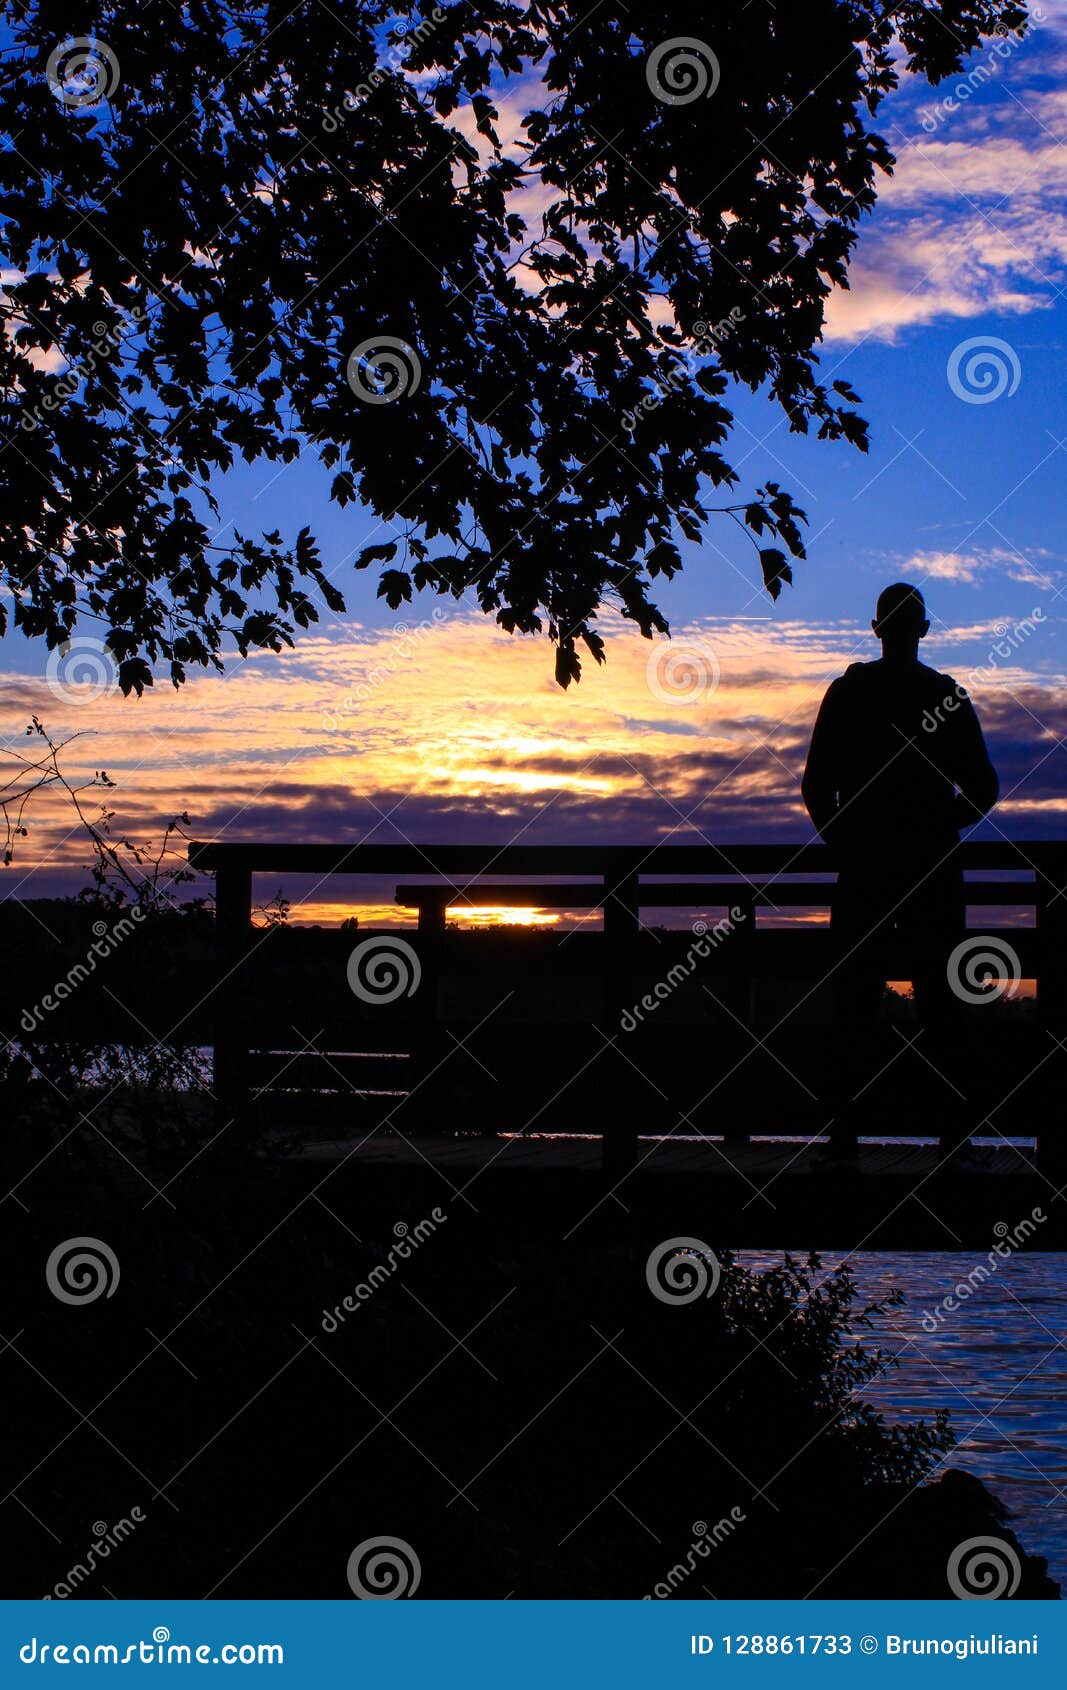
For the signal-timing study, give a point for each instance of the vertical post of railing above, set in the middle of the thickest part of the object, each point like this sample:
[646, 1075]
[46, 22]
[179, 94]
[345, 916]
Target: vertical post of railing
[741, 942]
[1051, 918]
[233, 920]
[432, 919]
[622, 925]
[422, 1112]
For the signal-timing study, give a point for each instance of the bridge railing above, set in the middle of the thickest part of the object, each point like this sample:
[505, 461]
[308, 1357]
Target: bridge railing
[619, 881]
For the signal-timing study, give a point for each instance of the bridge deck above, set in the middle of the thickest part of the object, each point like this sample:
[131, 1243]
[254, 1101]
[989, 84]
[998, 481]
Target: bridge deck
[758, 1195]
[759, 1159]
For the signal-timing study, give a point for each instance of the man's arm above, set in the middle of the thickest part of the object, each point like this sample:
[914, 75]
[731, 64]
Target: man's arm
[819, 787]
[971, 768]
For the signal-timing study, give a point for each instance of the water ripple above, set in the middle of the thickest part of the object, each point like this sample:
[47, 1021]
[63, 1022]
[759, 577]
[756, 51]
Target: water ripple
[997, 1362]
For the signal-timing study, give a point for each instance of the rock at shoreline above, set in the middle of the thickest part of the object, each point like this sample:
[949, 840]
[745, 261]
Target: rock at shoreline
[911, 1553]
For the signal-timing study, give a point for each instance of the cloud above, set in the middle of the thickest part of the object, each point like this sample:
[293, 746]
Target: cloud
[968, 568]
[973, 221]
[461, 734]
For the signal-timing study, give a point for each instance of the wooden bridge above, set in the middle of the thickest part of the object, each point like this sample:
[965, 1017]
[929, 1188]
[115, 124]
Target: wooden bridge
[731, 1048]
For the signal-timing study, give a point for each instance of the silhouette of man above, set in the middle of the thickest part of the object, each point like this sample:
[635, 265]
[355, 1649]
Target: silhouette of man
[897, 766]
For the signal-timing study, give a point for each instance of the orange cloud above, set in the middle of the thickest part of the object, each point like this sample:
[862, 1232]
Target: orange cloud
[452, 730]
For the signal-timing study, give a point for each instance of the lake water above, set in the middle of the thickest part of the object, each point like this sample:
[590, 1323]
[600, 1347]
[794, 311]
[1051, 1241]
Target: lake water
[998, 1363]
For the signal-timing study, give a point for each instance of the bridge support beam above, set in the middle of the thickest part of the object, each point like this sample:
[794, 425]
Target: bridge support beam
[622, 928]
[1051, 916]
[233, 924]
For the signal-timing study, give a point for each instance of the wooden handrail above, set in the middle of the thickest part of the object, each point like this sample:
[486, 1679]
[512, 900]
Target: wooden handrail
[272, 857]
[619, 880]
[667, 894]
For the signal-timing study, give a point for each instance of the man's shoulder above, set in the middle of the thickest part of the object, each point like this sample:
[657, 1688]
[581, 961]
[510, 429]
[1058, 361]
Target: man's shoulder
[854, 675]
[844, 691]
[939, 685]
[919, 677]
[857, 680]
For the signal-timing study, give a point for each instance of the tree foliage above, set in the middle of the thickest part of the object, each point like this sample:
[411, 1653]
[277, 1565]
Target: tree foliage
[538, 257]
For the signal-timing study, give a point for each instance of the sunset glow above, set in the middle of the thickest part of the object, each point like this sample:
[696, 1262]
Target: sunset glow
[296, 747]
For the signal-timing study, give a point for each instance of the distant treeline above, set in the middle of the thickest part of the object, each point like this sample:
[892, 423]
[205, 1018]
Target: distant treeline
[83, 971]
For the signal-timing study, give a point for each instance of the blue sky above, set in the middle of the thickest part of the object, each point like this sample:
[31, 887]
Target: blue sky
[969, 240]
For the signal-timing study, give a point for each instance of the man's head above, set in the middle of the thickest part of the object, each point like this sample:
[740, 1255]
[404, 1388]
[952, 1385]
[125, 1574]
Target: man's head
[900, 619]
